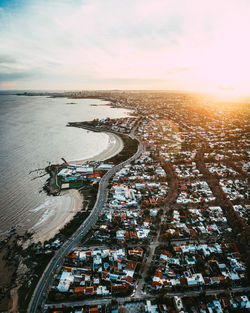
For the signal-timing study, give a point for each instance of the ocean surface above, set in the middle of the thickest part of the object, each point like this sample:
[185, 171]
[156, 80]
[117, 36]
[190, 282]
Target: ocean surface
[33, 133]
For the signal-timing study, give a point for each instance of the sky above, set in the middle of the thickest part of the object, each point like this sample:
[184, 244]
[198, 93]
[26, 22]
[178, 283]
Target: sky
[193, 45]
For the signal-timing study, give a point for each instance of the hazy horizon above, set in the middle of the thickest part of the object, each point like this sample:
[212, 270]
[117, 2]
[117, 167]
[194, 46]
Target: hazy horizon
[189, 46]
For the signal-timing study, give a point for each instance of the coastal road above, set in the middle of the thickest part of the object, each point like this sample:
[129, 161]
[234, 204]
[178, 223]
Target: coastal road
[47, 277]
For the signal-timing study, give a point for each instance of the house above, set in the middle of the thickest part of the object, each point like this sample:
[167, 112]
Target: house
[65, 280]
[150, 308]
[178, 303]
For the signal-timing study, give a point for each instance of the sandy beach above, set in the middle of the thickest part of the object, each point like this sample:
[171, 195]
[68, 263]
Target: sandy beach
[58, 213]
[61, 209]
[115, 145]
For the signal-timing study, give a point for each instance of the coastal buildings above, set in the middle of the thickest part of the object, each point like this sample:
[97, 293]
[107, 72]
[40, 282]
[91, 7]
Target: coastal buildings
[73, 176]
[99, 272]
[173, 232]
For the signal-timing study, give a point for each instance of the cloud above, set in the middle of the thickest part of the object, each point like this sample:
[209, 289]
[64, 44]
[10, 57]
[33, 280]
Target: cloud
[14, 76]
[186, 44]
[8, 85]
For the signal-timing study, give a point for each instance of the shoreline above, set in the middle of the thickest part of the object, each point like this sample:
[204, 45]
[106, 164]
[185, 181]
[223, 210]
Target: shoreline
[68, 204]
[115, 145]
[64, 210]
[71, 201]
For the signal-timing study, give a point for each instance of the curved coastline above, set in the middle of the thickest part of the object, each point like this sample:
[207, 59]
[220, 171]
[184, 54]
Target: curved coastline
[115, 145]
[70, 202]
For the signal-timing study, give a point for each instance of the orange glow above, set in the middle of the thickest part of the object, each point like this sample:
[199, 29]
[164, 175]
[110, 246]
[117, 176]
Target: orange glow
[199, 46]
[8, 85]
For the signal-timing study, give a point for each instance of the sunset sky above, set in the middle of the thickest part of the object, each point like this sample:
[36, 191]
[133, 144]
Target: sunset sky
[194, 45]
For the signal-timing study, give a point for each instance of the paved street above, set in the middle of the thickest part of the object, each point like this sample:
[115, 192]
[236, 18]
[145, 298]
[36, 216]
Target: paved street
[45, 281]
[143, 297]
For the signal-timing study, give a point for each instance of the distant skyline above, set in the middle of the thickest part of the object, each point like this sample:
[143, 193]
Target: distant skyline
[192, 45]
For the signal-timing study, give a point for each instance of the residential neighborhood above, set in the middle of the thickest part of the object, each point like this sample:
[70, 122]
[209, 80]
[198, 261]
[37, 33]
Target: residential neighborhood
[172, 233]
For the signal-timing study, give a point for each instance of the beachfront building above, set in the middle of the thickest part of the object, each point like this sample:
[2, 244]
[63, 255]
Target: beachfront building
[73, 176]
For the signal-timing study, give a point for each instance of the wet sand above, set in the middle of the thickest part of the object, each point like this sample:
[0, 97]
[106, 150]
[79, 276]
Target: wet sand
[115, 145]
[57, 214]
[61, 209]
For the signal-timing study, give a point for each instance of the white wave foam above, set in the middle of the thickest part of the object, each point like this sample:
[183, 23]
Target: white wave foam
[47, 214]
[42, 206]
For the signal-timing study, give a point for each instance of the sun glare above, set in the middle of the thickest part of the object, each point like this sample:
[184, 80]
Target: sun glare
[229, 94]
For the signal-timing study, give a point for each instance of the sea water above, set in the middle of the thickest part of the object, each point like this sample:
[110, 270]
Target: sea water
[33, 133]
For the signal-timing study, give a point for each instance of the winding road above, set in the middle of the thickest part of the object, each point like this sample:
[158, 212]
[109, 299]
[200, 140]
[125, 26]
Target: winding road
[39, 295]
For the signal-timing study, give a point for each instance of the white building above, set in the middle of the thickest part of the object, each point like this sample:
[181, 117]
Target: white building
[66, 279]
